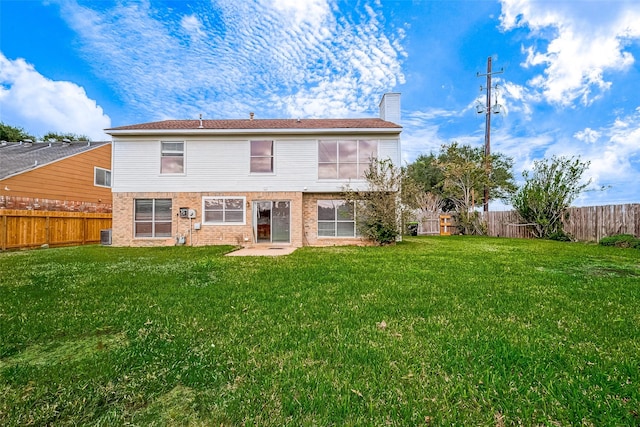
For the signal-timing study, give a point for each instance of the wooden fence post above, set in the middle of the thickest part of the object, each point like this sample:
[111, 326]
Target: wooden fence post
[47, 228]
[3, 232]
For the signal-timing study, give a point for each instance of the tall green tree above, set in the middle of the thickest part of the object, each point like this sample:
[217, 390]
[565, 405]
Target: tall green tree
[459, 175]
[13, 134]
[426, 173]
[70, 136]
[547, 193]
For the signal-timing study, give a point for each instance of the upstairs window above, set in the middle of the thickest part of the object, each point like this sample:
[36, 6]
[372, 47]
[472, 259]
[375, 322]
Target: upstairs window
[261, 156]
[346, 159]
[101, 177]
[172, 158]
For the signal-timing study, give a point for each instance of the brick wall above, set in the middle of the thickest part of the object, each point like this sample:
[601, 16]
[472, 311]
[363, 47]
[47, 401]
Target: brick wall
[304, 226]
[242, 235]
[310, 215]
[39, 204]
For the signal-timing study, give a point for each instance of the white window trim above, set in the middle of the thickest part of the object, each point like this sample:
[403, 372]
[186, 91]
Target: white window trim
[357, 179]
[273, 155]
[355, 221]
[244, 211]
[95, 176]
[184, 159]
[152, 220]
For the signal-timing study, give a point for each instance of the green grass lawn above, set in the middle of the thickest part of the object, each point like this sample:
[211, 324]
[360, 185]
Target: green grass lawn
[432, 331]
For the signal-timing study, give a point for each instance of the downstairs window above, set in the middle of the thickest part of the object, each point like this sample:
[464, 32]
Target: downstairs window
[152, 218]
[336, 218]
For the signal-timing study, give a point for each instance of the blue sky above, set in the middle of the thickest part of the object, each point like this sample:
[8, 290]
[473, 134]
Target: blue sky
[571, 81]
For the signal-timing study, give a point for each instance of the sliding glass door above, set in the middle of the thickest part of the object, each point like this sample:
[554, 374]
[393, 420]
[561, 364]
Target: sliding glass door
[272, 221]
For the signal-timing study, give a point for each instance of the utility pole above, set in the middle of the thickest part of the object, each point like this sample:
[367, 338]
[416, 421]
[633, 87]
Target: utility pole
[487, 128]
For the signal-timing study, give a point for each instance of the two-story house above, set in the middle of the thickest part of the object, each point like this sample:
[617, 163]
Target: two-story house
[245, 182]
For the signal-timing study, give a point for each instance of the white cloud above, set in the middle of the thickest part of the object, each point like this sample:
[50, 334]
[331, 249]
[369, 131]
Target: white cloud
[516, 98]
[613, 151]
[423, 133]
[192, 25]
[313, 12]
[587, 135]
[586, 40]
[39, 105]
[421, 140]
[227, 57]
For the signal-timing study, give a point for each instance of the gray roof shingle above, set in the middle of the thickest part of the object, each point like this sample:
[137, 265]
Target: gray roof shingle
[20, 157]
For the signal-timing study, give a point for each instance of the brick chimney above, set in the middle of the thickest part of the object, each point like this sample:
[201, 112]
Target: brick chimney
[390, 107]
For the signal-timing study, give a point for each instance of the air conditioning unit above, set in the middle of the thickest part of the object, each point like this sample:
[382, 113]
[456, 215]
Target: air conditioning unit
[105, 237]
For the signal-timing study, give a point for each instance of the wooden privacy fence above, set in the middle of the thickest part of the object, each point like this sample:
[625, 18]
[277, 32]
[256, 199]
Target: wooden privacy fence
[506, 224]
[436, 224]
[592, 223]
[589, 223]
[28, 229]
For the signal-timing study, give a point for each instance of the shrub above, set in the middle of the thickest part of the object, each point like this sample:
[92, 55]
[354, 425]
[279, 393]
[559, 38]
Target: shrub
[547, 193]
[560, 236]
[621, 241]
[471, 223]
[388, 200]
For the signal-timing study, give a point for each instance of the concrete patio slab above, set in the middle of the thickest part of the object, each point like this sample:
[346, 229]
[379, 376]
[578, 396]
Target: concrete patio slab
[263, 251]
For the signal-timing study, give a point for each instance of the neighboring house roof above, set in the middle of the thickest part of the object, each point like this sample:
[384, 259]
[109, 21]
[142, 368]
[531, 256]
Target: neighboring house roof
[17, 157]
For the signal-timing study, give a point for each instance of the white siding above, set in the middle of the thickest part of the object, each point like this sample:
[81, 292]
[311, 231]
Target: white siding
[389, 150]
[222, 165]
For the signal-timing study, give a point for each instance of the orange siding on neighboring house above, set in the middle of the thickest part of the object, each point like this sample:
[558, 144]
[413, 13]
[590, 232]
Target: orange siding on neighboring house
[67, 179]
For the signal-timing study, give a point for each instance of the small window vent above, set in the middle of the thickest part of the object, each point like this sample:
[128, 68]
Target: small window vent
[105, 237]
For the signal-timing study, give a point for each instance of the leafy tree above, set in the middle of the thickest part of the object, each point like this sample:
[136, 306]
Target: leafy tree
[465, 176]
[428, 204]
[384, 206]
[458, 174]
[13, 134]
[70, 136]
[547, 193]
[426, 173]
